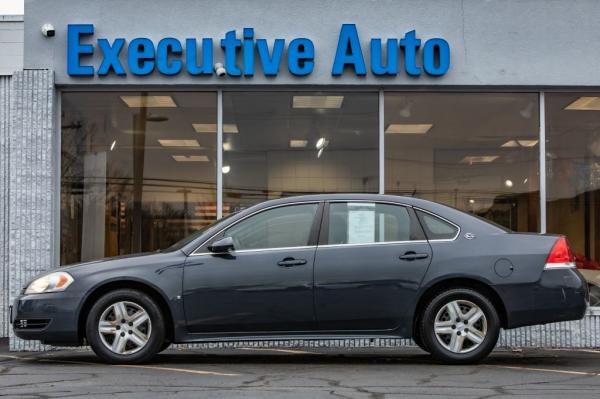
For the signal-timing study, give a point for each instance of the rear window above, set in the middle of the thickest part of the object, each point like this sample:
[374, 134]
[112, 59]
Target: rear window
[436, 228]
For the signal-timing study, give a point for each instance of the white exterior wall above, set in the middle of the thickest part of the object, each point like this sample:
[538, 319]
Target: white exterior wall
[11, 43]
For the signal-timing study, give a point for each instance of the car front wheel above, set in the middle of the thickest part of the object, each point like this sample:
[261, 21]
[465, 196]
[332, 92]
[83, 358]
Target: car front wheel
[125, 326]
[460, 326]
[417, 340]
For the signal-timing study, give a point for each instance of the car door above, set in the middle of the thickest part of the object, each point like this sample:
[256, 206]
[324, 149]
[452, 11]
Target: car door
[370, 262]
[265, 284]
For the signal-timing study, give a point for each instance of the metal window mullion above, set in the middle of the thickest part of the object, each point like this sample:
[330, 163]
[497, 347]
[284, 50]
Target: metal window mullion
[542, 163]
[56, 219]
[219, 154]
[381, 144]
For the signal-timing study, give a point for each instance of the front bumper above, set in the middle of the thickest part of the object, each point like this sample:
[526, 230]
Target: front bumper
[51, 318]
[559, 295]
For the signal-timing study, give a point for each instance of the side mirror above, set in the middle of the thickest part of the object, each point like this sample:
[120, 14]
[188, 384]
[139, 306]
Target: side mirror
[223, 245]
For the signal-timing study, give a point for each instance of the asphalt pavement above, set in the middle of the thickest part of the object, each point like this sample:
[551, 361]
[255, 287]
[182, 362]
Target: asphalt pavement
[249, 372]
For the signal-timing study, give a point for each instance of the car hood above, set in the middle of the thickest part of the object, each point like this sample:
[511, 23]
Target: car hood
[111, 259]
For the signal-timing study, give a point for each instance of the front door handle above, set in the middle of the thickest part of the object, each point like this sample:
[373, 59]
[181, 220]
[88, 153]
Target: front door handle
[289, 262]
[410, 255]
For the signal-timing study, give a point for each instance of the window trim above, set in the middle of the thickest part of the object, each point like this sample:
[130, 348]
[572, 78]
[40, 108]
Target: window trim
[316, 221]
[442, 218]
[324, 235]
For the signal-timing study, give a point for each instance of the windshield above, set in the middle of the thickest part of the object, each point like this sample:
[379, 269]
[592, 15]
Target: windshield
[185, 241]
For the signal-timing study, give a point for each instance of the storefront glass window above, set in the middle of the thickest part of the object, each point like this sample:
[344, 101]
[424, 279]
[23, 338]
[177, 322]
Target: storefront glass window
[474, 151]
[279, 144]
[137, 174]
[573, 178]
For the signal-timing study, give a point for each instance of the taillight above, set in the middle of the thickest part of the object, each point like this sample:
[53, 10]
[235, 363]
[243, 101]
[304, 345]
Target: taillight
[561, 256]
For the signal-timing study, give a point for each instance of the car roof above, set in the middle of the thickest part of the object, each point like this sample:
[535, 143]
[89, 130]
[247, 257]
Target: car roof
[346, 196]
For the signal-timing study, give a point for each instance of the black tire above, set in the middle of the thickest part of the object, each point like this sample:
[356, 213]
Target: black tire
[165, 345]
[474, 353]
[155, 339]
[417, 339]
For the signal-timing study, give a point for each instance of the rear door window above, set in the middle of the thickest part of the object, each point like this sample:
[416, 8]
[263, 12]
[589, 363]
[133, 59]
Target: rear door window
[367, 222]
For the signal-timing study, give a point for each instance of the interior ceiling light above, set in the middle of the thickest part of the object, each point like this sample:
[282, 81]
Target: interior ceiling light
[321, 143]
[408, 128]
[471, 159]
[317, 101]
[510, 144]
[508, 183]
[190, 158]
[230, 128]
[298, 143]
[226, 169]
[112, 146]
[527, 143]
[227, 146]
[212, 127]
[519, 143]
[149, 101]
[585, 104]
[179, 143]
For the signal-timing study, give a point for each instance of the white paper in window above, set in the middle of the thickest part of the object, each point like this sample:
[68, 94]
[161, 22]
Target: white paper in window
[361, 223]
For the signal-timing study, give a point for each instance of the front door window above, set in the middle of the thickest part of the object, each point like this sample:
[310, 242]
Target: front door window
[282, 227]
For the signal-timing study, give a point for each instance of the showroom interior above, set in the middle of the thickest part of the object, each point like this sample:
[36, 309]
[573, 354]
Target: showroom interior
[139, 169]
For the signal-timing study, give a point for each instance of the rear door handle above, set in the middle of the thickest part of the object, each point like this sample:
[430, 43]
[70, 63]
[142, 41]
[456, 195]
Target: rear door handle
[289, 262]
[413, 256]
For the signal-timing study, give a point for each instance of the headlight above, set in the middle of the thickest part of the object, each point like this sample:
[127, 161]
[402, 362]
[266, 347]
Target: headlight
[52, 282]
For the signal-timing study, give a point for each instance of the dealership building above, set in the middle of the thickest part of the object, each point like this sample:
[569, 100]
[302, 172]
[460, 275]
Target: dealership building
[125, 126]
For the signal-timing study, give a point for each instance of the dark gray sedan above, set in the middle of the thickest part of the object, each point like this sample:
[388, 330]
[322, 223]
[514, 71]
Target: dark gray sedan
[314, 267]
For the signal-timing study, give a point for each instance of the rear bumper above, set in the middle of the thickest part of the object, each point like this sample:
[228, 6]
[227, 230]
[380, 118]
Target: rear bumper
[559, 295]
[50, 318]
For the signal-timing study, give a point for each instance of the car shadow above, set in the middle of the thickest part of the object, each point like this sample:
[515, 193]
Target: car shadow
[531, 358]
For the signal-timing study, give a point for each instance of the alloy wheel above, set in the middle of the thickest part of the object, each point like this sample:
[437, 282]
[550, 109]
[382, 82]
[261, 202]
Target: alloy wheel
[124, 327]
[460, 326]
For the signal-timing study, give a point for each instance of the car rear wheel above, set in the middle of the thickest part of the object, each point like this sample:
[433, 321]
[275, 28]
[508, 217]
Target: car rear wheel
[460, 326]
[125, 326]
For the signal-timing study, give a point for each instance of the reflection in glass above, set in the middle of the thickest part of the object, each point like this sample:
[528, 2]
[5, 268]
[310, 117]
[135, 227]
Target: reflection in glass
[474, 151]
[280, 144]
[281, 227]
[573, 178]
[136, 175]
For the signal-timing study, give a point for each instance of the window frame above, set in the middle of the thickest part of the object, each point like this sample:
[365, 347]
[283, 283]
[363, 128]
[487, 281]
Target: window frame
[416, 229]
[202, 249]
